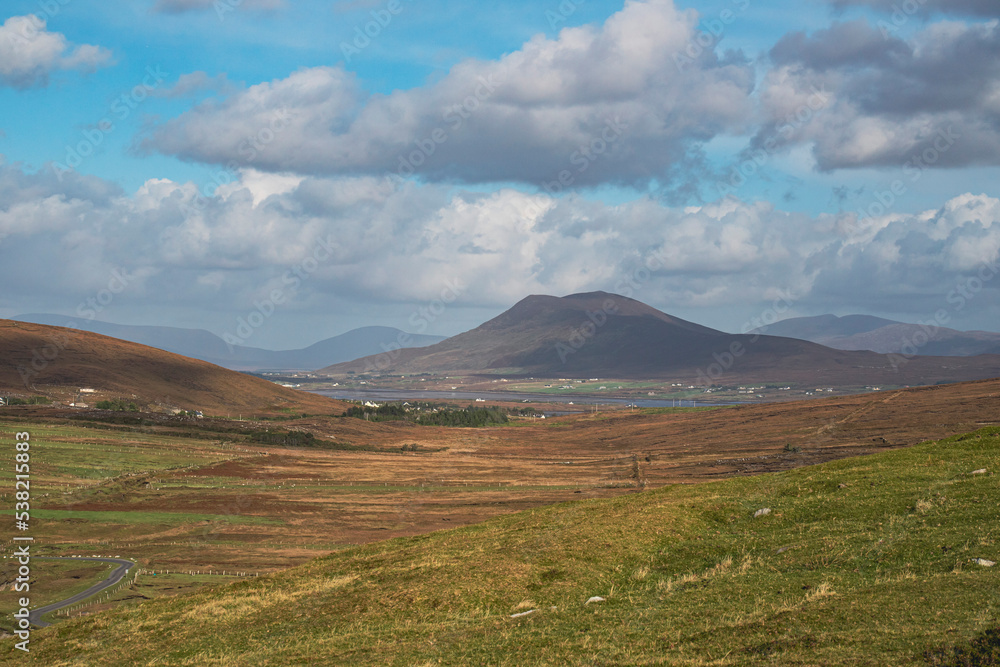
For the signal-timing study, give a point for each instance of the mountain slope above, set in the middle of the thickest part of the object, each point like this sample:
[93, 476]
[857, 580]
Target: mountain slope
[604, 335]
[56, 362]
[822, 327]
[204, 345]
[870, 560]
[863, 332]
[594, 332]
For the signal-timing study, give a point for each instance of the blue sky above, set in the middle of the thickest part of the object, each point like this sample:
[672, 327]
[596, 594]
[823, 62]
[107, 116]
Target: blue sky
[258, 97]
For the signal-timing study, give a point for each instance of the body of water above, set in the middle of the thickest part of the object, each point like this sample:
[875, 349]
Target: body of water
[384, 395]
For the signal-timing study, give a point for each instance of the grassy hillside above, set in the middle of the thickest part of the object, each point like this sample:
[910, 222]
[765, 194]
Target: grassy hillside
[863, 561]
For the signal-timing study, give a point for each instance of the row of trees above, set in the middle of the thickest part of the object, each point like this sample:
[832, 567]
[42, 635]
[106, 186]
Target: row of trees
[471, 416]
[31, 400]
[118, 405]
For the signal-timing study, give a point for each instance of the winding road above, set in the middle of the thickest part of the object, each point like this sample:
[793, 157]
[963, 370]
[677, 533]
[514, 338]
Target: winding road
[117, 574]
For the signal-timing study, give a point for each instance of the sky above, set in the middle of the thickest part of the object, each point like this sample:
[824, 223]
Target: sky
[279, 172]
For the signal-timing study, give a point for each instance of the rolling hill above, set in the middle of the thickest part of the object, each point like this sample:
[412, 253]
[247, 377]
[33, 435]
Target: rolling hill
[863, 332]
[204, 345]
[56, 362]
[604, 335]
[875, 560]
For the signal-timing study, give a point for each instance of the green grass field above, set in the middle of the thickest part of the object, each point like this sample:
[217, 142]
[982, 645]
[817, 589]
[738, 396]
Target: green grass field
[864, 561]
[70, 457]
[147, 586]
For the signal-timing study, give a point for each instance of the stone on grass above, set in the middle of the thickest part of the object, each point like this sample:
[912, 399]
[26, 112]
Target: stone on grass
[984, 562]
[764, 511]
[981, 471]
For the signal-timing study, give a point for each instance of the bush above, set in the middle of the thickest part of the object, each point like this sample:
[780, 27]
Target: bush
[33, 400]
[388, 412]
[422, 414]
[118, 405]
[982, 651]
[470, 416]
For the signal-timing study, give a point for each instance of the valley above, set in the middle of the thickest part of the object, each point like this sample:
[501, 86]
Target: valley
[184, 495]
[210, 481]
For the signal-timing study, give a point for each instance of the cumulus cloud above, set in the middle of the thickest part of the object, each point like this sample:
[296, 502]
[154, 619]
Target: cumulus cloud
[29, 53]
[623, 102]
[887, 102]
[194, 83]
[910, 7]
[319, 240]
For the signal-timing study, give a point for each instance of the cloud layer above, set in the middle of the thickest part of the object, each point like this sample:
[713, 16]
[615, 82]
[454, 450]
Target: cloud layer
[317, 240]
[30, 54]
[623, 102]
[932, 101]
[924, 7]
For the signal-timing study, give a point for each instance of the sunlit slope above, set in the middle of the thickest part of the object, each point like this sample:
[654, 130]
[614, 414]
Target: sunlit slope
[37, 359]
[860, 561]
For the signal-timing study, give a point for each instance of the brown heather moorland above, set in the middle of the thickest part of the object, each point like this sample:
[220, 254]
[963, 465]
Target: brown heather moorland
[236, 504]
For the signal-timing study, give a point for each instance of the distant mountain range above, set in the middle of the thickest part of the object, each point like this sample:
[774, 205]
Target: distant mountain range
[605, 335]
[204, 345]
[864, 332]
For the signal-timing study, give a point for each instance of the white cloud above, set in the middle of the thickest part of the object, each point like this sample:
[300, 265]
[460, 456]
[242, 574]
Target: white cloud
[29, 53]
[603, 104]
[188, 85]
[392, 242]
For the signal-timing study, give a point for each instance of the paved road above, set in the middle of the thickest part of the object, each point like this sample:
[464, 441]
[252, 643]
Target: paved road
[35, 616]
